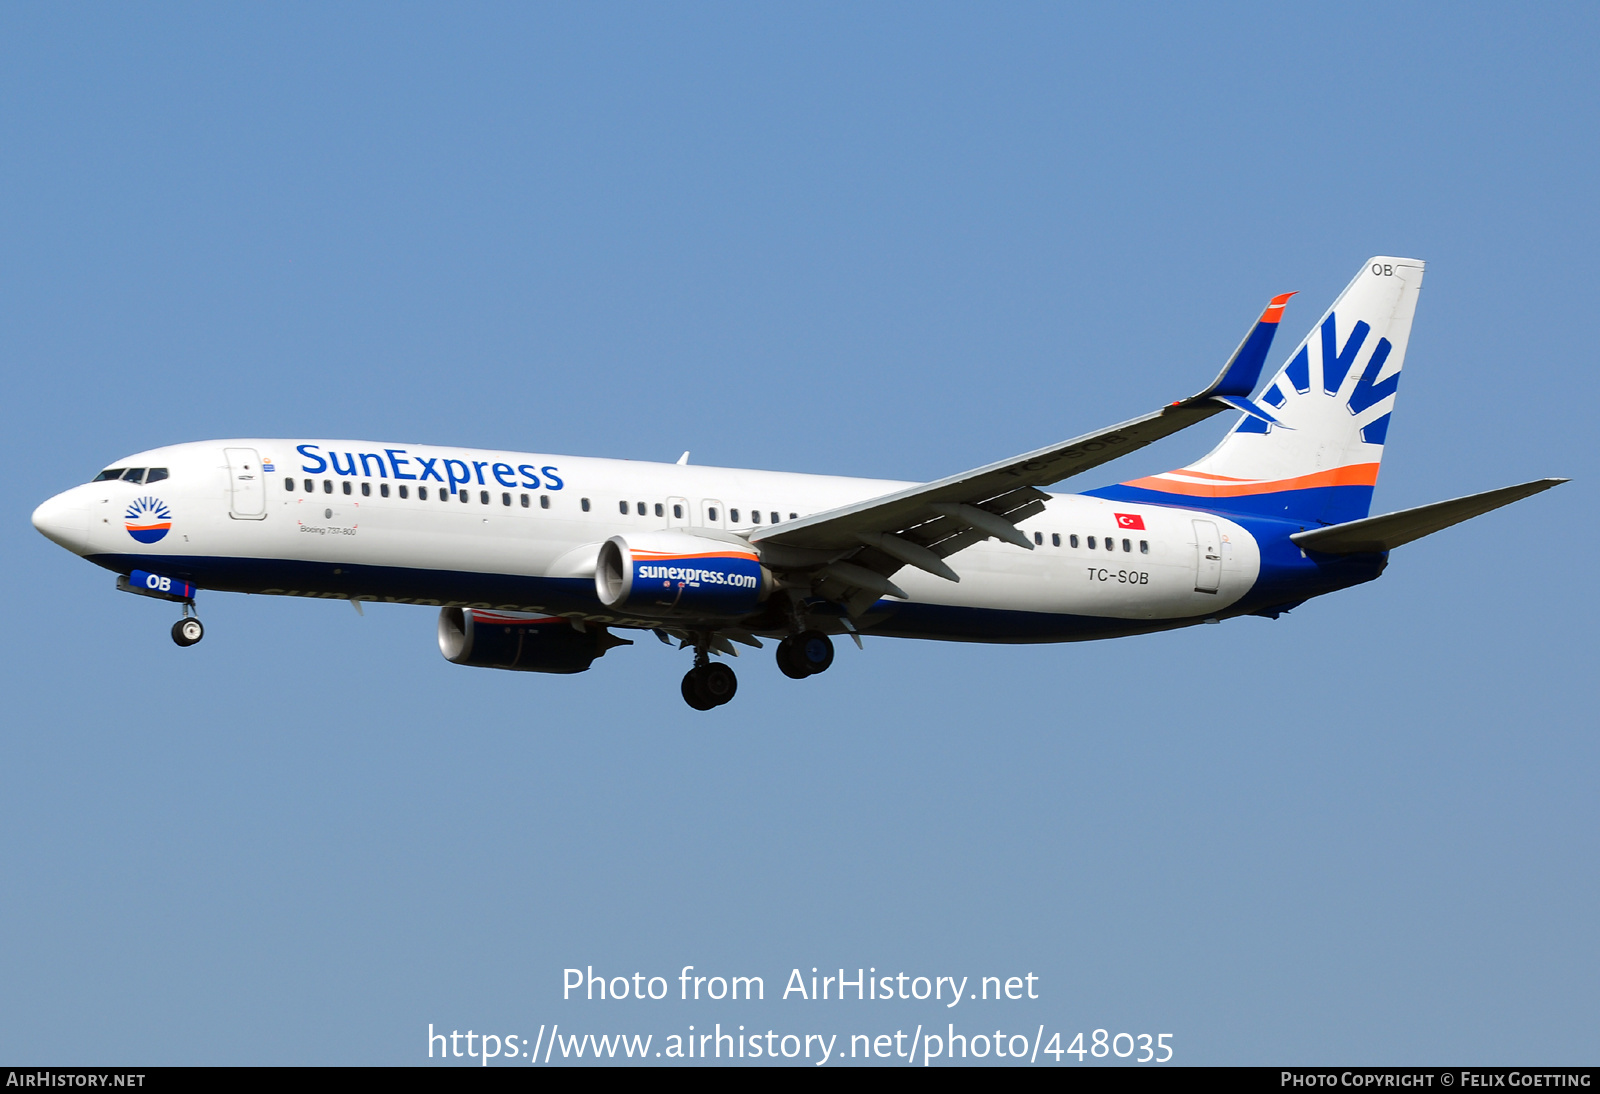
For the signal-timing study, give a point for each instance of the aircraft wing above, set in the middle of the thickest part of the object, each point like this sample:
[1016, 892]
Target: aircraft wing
[855, 548]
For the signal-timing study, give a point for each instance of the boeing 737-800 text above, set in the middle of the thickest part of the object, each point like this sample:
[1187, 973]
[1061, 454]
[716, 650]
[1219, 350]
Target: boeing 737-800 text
[536, 561]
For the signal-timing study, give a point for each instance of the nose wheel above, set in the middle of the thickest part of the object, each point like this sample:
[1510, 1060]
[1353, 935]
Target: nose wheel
[187, 631]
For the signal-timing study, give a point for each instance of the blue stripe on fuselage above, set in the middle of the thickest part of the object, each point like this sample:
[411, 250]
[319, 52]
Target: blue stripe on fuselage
[1287, 576]
[1331, 504]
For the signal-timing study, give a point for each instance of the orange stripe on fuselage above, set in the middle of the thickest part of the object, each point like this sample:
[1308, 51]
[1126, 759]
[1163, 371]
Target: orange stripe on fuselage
[658, 556]
[1356, 474]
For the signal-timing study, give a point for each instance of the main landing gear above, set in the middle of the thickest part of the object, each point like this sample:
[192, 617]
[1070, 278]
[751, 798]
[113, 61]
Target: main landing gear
[710, 683]
[805, 654]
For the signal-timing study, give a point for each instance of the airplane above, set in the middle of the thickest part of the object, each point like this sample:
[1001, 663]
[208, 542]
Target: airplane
[536, 561]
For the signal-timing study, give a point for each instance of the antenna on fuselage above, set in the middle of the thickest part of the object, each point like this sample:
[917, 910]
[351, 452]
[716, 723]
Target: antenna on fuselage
[683, 460]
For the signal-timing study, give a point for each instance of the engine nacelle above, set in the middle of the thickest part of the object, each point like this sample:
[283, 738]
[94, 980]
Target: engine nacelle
[520, 640]
[679, 574]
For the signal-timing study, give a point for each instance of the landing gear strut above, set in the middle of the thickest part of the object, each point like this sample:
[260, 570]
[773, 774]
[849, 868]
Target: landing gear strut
[805, 654]
[710, 683]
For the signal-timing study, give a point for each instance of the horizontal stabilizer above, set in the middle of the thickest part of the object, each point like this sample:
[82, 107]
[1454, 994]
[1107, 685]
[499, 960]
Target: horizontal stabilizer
[1255, 410]
[1391, 530]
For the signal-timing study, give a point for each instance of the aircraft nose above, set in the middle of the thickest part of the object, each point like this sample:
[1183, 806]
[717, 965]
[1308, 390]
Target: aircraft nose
[64, 519]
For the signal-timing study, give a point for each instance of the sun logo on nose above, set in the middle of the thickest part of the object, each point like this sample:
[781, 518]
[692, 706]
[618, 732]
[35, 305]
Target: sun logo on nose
[147, 519]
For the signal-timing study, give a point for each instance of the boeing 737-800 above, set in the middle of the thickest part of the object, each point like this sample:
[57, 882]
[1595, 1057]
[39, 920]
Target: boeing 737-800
[536, 561]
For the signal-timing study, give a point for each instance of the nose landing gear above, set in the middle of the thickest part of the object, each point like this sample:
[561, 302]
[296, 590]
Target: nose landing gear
[188, 630]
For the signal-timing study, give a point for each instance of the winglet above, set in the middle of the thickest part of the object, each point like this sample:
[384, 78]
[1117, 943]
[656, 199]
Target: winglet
[1274, 310]
[1243, 370]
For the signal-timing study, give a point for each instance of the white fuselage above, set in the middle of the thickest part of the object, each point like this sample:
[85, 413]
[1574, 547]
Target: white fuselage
[519, 531]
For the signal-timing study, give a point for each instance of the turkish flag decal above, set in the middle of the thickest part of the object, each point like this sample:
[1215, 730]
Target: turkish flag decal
[1130, 520]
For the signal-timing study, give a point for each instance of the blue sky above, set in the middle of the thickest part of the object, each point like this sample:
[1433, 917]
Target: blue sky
[893, 240]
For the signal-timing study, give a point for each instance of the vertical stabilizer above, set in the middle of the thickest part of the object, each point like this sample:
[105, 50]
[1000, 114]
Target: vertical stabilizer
[1318, 462]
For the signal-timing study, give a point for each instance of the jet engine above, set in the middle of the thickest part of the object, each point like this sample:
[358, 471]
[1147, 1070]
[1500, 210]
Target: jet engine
[520, 640]
[666, 575]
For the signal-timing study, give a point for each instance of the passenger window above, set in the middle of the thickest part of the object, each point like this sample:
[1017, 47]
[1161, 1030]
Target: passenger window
[622, 507]
[346, 487]
[155, 474]
[774, 519]
[1111, 544]
[794, 516]
[677, 512]
[108, 475]
[641, 508]
[404, 493]
[1055, 539]
[505, 499]
[544, 501]
[422, 493]
[133, 474]
[660, 510]
[733, 515]
[288, 484]
[711, 515]
[1144, 546]
[1072, 541]
[327, 486]
[1126, 546]
[755, 516]
[383, 489]
[583, 503]
[366, 490]
[524, 501]
[1038, 539]
[1090, 542]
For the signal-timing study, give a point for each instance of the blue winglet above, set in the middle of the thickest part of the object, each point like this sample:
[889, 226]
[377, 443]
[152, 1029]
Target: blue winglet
[1243, 370]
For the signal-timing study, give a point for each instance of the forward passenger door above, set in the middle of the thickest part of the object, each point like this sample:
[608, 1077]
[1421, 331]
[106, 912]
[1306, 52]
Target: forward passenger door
[248, 500]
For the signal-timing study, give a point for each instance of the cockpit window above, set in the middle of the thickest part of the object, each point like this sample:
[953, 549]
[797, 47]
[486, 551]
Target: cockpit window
[133, 474]
[108, 474]
[155, 474]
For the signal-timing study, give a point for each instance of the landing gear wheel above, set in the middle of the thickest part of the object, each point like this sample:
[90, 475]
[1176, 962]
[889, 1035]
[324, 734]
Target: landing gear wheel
[789, 660]
[694, 691]
[805, 654]
[707, 686]
[187, 631]
[718, 683]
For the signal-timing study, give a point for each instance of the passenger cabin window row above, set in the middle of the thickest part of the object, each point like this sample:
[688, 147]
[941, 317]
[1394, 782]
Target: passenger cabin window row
[403, 491]
[713, 513]
[1093, 543]
[525, 501]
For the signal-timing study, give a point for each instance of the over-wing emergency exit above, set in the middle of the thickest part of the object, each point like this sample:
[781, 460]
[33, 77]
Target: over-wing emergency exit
[537, 562]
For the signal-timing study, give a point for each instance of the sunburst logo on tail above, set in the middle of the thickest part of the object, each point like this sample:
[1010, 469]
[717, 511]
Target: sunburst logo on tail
[1366, 393]
[147, 519]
